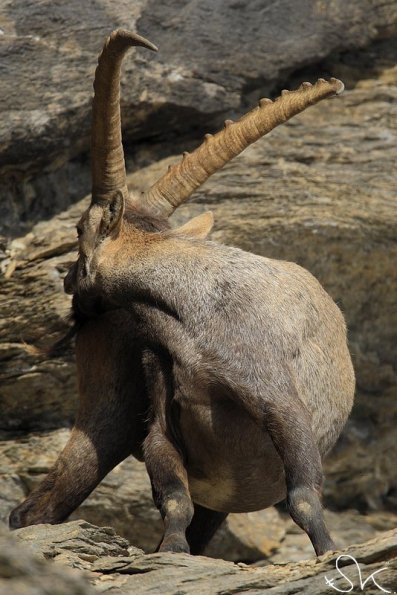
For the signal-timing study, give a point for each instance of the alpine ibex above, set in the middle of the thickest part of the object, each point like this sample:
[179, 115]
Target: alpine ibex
[241, 361]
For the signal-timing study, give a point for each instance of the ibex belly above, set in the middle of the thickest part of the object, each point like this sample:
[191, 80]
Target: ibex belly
[232, 465]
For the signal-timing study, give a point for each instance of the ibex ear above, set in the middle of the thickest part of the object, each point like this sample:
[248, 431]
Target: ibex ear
[198, 227]
[112, 212]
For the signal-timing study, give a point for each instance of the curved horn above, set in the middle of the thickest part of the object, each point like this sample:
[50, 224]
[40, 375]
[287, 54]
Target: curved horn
[108, 167]
[174, 187]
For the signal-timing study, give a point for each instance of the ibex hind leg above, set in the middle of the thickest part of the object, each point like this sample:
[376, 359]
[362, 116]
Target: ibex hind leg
[203, 527]
[287, 420]
[170, 489]
[293, 438]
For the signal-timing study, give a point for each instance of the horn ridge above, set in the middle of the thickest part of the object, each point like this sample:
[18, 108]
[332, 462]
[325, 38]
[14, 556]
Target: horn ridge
[175, 187]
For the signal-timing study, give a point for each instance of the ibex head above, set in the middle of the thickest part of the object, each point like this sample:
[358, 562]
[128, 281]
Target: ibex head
[103, 220]
[109, 187]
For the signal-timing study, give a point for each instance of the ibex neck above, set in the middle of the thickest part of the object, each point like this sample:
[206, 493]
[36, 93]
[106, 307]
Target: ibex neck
[141, 266]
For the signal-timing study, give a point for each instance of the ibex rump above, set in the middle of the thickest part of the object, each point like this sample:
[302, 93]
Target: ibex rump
[247, 370]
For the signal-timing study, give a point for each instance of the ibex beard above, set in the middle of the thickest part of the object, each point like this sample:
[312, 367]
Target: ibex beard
[229, 373]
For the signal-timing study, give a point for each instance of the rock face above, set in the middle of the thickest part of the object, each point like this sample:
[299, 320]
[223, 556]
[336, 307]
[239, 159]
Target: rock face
[48, 53]
[114, 567]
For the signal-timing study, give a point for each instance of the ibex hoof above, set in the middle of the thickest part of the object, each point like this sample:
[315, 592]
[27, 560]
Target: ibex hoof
[16, 519]
[176, 544]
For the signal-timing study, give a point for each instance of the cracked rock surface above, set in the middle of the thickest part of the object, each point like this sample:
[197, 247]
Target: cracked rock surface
[25, 571]
[111, 566]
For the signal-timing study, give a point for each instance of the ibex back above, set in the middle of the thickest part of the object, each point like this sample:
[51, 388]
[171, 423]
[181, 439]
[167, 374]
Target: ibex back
[247, 372]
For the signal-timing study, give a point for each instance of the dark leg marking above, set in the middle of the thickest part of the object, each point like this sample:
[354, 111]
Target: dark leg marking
[203, 527]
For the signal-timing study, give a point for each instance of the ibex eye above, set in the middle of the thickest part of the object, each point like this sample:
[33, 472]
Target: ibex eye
[79, 231]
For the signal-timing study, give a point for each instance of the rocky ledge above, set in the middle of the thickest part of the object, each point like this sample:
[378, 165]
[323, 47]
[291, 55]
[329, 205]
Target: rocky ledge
[104, 562]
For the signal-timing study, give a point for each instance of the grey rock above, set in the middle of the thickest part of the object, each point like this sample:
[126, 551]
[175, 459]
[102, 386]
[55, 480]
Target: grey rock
[26, 572]
[77, 543]
[180, 573]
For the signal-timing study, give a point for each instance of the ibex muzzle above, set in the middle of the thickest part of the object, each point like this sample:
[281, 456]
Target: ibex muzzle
[241, 361]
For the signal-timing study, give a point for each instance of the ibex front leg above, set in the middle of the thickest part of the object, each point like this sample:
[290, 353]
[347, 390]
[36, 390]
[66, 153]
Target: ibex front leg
[75, 474]
[108, 427]
[287, 420]
[170, 489]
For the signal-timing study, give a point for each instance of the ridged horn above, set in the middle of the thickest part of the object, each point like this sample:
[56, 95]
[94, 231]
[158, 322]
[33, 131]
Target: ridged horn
[107, 156]
[174, 187]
